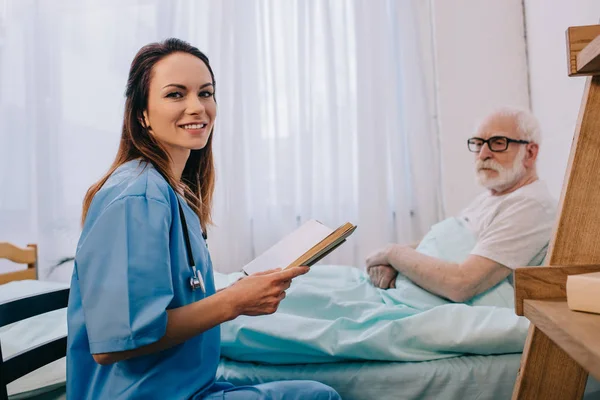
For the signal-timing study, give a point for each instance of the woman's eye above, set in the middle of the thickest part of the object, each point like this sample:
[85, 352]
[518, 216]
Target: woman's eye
[206, 94]
[175, 95]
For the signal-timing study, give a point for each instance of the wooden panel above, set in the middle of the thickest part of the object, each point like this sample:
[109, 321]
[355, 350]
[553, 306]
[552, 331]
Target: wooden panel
[575, 239]
[575, 332]
[578, 37]
[588, 59]
[34, 263]
[541, 283]
[547, 372]
[18, 255]
[29, 273]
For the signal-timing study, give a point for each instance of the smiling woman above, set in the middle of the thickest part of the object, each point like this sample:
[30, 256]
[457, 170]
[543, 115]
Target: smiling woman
[181, 115]
[156, 111]
[143, 310]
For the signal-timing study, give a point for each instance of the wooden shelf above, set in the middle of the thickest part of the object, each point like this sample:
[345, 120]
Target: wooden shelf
[563, 346]
[577, 333]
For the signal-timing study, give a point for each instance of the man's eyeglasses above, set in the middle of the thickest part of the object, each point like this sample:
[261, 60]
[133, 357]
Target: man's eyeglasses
[495, 143]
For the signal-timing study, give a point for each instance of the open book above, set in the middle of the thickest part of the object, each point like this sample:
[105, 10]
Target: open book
[305, 246]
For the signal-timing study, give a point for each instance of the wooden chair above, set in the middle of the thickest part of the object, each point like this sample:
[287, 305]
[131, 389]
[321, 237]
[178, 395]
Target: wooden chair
[31, 359]
[15, 254]
[563, 346]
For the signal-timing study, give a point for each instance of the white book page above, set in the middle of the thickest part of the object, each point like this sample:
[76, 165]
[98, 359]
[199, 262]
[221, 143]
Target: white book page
[288, 249]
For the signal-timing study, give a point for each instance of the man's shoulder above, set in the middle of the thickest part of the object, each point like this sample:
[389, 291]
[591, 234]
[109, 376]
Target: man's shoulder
[535, 194]
[533, 200]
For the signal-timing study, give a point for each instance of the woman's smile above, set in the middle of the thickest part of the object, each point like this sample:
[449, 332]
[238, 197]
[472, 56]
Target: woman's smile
[197, 128]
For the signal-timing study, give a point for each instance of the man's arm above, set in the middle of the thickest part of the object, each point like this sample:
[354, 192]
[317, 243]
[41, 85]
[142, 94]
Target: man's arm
[414, 245]
[456, 282]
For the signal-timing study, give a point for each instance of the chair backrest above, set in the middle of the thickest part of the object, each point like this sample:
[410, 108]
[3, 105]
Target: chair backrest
[18, 255]
[29, 360]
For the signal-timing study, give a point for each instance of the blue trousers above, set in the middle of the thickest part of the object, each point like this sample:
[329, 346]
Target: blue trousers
[280, 390]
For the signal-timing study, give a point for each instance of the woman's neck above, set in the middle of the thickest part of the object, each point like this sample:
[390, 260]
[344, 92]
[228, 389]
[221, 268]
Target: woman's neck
[179, 158]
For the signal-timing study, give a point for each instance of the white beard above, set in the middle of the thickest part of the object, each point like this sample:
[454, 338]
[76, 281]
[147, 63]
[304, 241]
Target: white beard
[506, 176]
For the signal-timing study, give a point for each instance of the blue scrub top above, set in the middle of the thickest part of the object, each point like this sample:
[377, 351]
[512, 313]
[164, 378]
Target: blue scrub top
[130, 267]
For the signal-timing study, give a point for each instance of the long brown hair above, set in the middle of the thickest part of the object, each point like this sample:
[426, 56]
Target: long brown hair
[198, 177]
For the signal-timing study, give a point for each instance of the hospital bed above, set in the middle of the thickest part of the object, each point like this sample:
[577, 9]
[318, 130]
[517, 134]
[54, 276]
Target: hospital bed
[467, 377]
[24, 304]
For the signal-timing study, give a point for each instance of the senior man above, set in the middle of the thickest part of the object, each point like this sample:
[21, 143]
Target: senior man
[511, 222]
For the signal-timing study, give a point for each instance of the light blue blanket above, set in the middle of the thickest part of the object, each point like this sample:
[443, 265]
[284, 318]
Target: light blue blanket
[334, 313]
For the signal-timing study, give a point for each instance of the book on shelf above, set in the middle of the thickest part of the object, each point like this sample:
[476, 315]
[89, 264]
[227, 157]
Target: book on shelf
[583, 292]
[304, 246]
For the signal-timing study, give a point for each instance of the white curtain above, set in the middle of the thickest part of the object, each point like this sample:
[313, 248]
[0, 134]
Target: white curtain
[324, 111]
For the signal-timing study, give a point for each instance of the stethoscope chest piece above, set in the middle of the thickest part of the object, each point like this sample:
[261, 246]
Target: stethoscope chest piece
[196, 281]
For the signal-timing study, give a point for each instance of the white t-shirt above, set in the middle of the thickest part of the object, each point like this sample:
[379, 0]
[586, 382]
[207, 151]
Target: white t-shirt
[513, 229]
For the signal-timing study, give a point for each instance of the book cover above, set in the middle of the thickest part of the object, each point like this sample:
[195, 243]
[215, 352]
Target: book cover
[305, 246]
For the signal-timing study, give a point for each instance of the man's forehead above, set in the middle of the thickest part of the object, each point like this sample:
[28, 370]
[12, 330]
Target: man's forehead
[498, 125]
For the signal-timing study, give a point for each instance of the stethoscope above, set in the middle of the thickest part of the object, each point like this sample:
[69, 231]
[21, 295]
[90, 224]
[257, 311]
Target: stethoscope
[196, 281]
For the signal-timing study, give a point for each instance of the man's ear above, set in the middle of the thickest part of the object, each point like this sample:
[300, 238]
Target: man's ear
[531, 153]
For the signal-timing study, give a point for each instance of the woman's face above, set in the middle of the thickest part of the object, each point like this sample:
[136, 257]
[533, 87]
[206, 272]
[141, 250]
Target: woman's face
[181, 105]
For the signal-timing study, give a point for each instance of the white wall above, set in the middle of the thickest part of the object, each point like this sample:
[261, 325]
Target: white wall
[481, 64]
[555, 97]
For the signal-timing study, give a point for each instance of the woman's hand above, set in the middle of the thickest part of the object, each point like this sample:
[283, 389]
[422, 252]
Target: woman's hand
[383, 276]
[261, 293]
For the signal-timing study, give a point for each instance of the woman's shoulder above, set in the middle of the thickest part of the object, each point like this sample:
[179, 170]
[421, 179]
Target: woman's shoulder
[135, 196]
[134, 179]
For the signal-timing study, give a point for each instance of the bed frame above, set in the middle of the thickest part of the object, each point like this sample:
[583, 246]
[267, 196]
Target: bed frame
[563, 346]
[13, 311]
[28, 255]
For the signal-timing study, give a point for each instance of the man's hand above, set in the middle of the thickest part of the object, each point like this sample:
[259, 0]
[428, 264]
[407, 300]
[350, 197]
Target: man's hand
[380, 257]
[383, 276]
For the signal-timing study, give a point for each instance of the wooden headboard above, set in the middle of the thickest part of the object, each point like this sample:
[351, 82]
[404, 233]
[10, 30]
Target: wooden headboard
[18, 255]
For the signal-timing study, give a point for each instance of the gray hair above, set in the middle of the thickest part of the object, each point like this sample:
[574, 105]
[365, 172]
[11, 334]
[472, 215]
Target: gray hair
[527, 123]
